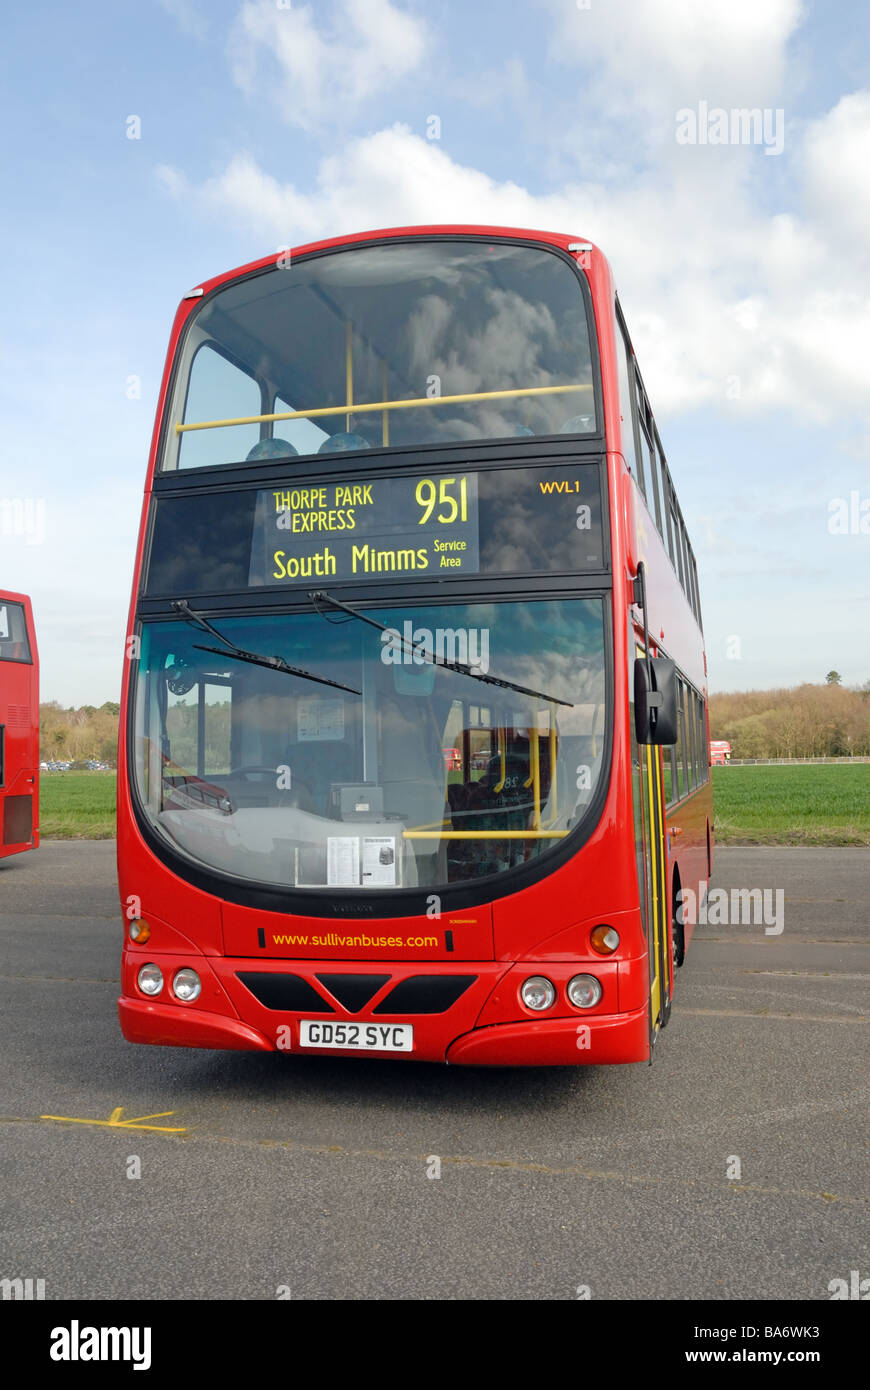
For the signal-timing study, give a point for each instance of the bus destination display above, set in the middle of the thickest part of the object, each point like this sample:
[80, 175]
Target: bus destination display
[351, 530]
[530, 520]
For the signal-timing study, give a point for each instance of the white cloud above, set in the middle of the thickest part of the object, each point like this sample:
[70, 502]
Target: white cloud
[838, 169]
[314, 69]
[718, 289]
[714, 288]
[389, 178]
[647, 52]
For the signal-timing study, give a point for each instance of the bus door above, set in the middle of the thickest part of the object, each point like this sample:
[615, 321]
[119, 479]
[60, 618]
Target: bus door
[652, 853]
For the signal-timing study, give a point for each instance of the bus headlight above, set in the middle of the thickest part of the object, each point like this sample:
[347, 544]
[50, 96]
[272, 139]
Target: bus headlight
[187, 985]
[538, 993]
[584, 991]
[604, 940]
[150, 979]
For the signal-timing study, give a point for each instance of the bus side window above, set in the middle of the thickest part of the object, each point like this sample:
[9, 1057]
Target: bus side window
[684, 568]
[644, 439]
[668, 774]
[691, 737]
[656, 460]
[685, 738]
[680, 777]
[627, 401]
[702, 743]
[218, 390]
[678, 543]
[668, 491]
[14, 643]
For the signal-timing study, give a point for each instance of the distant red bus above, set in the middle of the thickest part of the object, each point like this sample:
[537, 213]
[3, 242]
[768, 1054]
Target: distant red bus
[413, 755]
[720, 752]
[19, 726]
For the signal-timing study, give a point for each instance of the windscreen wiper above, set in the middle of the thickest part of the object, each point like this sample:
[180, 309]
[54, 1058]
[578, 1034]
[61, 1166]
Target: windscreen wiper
[321, 596]
[273, 663]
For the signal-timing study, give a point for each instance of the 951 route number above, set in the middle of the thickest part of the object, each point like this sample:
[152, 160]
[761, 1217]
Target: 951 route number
[357, 1037]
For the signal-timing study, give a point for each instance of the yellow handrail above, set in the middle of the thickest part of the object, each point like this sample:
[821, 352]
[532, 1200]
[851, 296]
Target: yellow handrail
[381, 405]
[535, 758]
[485, 835]
[502, 753]
[554, 795]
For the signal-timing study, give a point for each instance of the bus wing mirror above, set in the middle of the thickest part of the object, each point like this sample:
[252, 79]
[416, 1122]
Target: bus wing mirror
[655, 700]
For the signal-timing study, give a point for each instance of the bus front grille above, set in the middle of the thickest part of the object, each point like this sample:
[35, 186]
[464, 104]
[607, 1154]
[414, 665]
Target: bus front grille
[416, 994]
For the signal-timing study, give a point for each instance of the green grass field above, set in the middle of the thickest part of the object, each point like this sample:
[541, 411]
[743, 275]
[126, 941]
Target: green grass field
[77, 805]
[797, 805]
[821, 805]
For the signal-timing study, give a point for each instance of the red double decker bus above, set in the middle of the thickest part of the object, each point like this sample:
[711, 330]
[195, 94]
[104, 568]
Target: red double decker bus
[406, 499]
[19, 726]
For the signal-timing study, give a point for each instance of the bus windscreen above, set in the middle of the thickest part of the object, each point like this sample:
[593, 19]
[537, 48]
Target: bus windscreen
[454, 741]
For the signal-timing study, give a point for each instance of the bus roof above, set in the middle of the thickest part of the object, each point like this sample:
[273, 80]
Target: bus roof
[564, 240]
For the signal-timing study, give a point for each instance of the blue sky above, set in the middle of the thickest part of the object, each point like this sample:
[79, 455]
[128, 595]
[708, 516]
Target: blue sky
[745, 277]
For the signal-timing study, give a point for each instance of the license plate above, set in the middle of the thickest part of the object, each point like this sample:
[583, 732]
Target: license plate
[357, 1037]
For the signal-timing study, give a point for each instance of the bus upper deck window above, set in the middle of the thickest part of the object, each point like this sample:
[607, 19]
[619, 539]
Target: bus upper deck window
[388, 347]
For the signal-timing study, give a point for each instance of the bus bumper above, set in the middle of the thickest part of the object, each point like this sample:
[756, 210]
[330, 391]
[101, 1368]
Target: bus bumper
[255, 1007]
[557, 1042]
[545, 1043]
[168, 1026]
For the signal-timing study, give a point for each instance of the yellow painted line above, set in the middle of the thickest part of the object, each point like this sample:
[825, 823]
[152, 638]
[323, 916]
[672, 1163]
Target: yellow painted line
[508, 1164]
[115, 1122]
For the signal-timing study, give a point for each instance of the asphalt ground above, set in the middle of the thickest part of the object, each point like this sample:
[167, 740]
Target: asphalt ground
[735, 1167]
